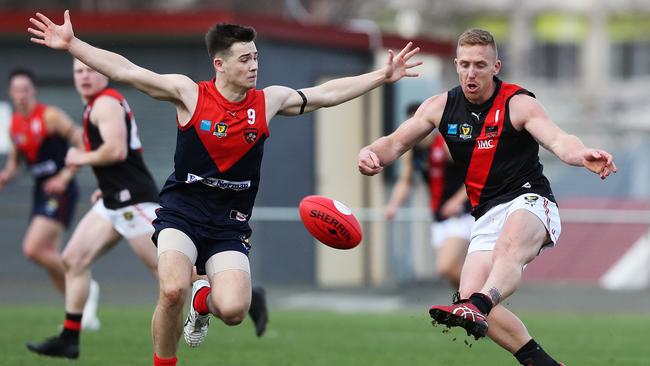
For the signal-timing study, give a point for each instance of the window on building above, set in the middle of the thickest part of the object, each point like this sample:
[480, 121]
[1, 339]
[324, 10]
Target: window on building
[556, 61]
[630, 59]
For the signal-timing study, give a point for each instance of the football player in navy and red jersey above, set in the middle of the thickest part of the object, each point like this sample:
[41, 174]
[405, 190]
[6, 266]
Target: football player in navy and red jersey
[124, 205]
[494, 129]
[41, 135]
[207, 201]
[452, 223]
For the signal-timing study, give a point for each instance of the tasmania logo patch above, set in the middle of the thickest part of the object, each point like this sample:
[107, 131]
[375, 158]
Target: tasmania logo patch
[250, 135]
[465, 131]
[220, 129]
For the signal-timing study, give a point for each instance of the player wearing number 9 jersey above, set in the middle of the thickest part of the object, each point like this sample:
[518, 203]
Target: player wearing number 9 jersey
[207, 201]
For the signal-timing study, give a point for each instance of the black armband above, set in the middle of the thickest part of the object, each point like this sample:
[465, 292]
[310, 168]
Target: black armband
[304, 101]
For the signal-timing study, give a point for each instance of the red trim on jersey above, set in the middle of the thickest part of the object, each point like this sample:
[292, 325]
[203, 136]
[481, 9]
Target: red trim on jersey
[229, 130]
[29, 132]
[437, 166]
[486, 146]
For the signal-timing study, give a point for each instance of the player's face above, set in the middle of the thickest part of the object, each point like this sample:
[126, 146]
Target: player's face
[22, 92]
[240, 66]
[476, 65]
[87, 81]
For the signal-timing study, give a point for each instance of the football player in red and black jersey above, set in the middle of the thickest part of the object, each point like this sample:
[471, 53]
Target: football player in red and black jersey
[452, 223]
[41, 135]
[207, 201]
[494, 129]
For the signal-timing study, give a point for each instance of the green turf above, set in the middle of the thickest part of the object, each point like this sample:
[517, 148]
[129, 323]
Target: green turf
[304, 338]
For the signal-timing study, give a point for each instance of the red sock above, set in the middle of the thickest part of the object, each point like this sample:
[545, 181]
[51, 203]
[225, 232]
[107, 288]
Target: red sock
[201, 300]
[158, 361]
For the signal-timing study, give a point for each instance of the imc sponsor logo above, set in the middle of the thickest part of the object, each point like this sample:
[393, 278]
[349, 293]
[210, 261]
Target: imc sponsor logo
[335, 228]
[485, 144]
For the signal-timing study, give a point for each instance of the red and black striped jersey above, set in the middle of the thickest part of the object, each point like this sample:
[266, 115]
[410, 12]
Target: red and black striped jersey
[500, 163]
[127, 182]
[218, 159]
[443, 176]
[44, 152]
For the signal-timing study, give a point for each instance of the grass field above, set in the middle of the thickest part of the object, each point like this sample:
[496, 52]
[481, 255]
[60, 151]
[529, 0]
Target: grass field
[304, 338]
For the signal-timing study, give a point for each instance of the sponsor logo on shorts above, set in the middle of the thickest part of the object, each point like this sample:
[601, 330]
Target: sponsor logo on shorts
[531, 200]
[246, 243]
[51, 206]
[128, 215]
[219, 183]
[526, 185]
[220, 129]
[452, 129]
[238, 216]
[466, 131]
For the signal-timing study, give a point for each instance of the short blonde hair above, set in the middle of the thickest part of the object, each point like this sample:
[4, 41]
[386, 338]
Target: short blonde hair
[476, 36]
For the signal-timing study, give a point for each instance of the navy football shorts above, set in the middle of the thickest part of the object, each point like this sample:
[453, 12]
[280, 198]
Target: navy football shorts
[208, 240]
[57, 207]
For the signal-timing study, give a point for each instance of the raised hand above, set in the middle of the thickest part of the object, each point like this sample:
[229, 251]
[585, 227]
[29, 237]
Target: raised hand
[599, 161]
[399, 66]
[52, 35]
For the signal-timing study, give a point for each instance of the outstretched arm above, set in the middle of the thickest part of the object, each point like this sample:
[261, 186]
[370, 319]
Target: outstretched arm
[173, 87]
[385, 150]
[288, 102]
[527, 113]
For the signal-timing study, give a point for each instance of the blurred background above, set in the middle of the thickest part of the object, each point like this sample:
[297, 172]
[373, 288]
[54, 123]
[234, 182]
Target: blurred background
[588, 62]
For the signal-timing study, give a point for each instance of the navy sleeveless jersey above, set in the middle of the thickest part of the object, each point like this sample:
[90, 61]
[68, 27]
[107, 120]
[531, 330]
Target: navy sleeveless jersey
[499, 162]
[217, 161]
[127, 182]
[43, 152]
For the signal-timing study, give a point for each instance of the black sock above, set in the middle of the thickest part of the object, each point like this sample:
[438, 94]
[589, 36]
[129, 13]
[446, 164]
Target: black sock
[71, 327]
[532, 354]
[482, 302]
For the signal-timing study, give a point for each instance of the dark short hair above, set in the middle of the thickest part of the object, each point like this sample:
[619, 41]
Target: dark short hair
[222, 35]
[412, 108]
[22, 72]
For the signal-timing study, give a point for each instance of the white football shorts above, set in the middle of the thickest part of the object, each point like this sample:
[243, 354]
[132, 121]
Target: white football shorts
[487, 228]
[453, 227]
[129, 221]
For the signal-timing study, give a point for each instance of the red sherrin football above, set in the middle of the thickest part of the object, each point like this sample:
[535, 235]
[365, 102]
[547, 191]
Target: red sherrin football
[330, 221]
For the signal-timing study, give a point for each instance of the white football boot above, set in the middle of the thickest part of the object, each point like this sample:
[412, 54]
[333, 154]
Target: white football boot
[89, 319]
[196, 325]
